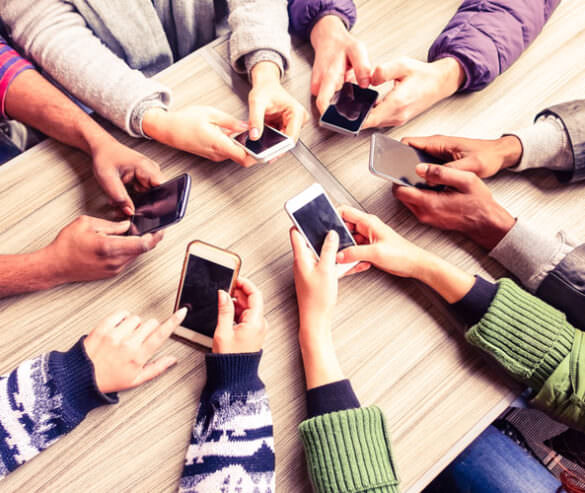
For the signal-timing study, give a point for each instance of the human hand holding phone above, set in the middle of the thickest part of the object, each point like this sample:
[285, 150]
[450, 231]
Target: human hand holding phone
[247, 310]
[121, 346]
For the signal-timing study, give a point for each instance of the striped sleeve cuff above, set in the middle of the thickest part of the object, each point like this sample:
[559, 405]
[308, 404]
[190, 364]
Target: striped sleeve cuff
[11, 65]
[527, 336]
[349, 451]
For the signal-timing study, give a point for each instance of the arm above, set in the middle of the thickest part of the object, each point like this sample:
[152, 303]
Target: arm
[57, 38]
[486, 37]
[346, 446]
[45, 398]
[232, 439]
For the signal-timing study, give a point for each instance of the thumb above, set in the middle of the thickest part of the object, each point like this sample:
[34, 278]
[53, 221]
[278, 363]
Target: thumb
[225, 313]
[112, 184]
[358, 253]
[389, 71]
[257, 110]
[436, 145]
[229, 122]
[153, 370]
[441, 175]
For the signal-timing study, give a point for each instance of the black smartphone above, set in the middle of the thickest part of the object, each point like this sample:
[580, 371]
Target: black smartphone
[160, 206]
[206, 269]
[348, 109]
[272, 143]
[396, 162]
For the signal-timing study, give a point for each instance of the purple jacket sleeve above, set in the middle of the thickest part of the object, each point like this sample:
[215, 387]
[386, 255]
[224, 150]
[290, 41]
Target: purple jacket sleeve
[487, 36]
[303, 14]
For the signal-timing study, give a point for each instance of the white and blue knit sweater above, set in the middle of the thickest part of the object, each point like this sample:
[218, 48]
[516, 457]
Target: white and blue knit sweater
[231, 449]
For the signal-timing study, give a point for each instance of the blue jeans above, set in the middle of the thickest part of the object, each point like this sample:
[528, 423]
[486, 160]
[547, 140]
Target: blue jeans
[494, 463]
[7, 149]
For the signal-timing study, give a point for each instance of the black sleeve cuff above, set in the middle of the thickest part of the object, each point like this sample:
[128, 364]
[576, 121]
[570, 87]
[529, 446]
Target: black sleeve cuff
[233, 372]
[74, 376]
[473, 306]
[336, 396]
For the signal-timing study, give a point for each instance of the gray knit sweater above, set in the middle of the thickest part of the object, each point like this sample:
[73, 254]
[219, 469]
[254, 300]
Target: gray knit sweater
[103, 52]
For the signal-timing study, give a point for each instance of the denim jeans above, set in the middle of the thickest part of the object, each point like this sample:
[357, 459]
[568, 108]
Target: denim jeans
[7, 149]
[494, 463]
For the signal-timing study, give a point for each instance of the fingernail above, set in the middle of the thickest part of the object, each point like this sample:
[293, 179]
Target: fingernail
[182, 313]
[128, 210]
[223, 297]
[331, 235]
[254, 133]
[364, 82]
[422, 167]
[243, 125]
[340, 257]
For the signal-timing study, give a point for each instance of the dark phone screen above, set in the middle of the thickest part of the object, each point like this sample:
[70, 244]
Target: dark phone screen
[317, 218]
[350, 106]
[203, 279]
[158, 207]
[268, 139]
[397, 160]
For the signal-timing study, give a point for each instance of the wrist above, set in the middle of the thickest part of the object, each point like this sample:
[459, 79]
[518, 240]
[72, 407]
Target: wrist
[451, 75]
[50, 267]
[449, 281]
[155, 124]
[328, 27]
[265, 72]
[492, 228]
[509, 147]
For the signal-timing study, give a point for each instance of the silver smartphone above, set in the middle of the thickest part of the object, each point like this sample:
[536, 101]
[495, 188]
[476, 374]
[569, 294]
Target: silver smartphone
[396, 162]
[314, 215]
[271, 144]
[348, 109]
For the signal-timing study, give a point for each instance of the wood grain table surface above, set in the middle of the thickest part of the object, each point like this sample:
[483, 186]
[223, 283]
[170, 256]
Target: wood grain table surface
[399, 346]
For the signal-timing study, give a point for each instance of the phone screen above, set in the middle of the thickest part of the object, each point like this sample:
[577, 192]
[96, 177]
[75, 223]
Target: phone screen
[317, 218]
[203, 279]
[397, 161]
[159, 206]
[349, 107]
[268, 139]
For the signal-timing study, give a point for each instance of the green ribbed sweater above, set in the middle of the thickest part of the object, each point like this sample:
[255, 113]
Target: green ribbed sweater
[349, 451]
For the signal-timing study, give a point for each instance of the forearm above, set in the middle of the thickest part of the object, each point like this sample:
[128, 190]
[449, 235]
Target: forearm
[27, 272]
[36, 102]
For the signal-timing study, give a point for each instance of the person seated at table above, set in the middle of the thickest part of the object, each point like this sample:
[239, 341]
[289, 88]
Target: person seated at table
[552, 266]
[105, 56]
[46, 397]
[481, 41]
[529, 338]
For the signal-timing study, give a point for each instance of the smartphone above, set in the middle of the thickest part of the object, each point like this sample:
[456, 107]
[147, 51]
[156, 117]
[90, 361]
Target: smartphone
[348, 109]
[160, 206]
[314, 216]
[206, 269]
[396, 162]
[271, 144]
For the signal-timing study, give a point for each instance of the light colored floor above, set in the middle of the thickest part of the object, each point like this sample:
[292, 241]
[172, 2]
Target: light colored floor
[400, 349]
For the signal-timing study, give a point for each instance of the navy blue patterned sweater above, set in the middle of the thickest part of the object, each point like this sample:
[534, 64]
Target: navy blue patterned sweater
[231, 447]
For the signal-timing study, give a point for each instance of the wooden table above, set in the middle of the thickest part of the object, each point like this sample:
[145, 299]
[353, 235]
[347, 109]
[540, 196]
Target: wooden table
[400, 347]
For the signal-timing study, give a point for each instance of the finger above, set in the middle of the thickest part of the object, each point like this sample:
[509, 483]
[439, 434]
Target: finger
[112, 184]
[257, 108]
[230, 150]
[154, 369]
[350, 77]
[145, 329]
[111, 322]
[389, 71]
[360, 61]
[126, 327]
[293, 126]
[440, 175]
[410, 195]
[228, 122]
[360, 267]
[148, 174]
[129, 246]
[255, 311]
[436, 145]
[225, 314]
[358, 253]
[329, 85]
[329, 249]
[386, 113]
[303, 256]
[160, 334]
[361, 220]
[101, 226]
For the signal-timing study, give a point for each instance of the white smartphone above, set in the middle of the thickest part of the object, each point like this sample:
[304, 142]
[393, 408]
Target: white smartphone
[271, 144]
[348, 109]
[314, 216]
[206, 270]
[396, 162]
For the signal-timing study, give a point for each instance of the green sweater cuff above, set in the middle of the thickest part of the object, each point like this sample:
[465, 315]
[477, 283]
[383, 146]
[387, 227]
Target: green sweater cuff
[349, 451]
[527, 336]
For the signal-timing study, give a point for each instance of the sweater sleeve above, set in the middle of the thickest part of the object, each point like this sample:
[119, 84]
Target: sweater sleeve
[259, 31]
[349, 451]
[42, 400]
[232, 445]
[56, 37]
[487, 36]
[11, 65]
[304, 14]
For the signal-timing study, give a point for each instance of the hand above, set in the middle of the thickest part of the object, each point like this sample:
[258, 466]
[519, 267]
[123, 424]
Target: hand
[379, 245]
[247, 335]
[121, 345]
[466, 206]
[485, 158]
[336, 54]
[417, 87]
[91, 248]
[200, 130]
[115, 165]
[270, 102]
